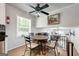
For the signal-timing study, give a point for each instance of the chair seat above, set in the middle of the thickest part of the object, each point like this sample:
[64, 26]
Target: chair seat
[33, 45]
[52, 44]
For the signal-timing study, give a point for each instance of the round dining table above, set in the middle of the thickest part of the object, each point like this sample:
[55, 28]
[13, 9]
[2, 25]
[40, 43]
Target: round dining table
[42, 40]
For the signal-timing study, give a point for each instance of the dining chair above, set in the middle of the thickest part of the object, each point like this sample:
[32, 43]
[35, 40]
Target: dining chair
[29, 44]
[53, 44]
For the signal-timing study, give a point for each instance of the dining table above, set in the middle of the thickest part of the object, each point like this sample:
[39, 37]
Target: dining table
[42, 40]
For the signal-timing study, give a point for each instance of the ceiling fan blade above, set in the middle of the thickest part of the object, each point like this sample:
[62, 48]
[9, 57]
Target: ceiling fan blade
[44, 6]
[32, 7]
[44, 12]
[31, 11]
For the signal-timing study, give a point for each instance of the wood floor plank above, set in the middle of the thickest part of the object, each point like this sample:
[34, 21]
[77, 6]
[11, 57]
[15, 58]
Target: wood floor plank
[20, 52]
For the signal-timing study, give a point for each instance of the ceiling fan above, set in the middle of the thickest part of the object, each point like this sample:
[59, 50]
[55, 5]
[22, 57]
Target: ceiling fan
[39, 9]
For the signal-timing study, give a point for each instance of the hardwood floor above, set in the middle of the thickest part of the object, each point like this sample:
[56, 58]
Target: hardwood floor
[20, 52]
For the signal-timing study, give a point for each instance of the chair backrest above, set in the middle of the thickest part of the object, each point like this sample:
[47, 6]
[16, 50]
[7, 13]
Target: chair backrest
[27, 39]
[46, 34]
[31, 34]
[38, 33]
[54, 37]
[56, 43]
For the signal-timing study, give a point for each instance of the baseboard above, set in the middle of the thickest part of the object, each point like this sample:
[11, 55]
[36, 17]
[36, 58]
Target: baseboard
[16, 47]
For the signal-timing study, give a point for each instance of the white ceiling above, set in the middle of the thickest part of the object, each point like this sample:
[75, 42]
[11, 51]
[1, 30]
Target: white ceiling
[52, 6]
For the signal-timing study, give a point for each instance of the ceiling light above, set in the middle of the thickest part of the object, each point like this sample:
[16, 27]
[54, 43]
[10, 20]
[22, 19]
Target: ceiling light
[37, 14]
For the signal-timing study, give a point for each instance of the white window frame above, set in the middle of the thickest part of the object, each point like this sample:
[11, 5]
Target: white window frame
[20, 34]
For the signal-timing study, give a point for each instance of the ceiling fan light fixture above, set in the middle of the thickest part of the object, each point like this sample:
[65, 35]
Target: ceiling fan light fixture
[37, 14]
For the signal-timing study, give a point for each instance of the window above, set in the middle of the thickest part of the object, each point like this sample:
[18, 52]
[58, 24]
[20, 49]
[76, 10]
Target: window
[23, 26]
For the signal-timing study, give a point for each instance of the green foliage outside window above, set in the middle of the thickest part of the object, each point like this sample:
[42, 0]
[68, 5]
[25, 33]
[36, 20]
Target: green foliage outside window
[23, 25]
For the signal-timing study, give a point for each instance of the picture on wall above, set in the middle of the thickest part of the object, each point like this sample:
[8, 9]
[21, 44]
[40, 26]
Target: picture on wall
[54, 19]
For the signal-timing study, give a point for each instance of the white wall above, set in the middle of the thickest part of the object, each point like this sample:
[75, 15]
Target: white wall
[69, 17]
[13, 41]
[2, 13]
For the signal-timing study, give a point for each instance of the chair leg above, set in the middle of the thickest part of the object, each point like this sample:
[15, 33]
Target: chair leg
[30, 51]
[25, 50]
[55, 52]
